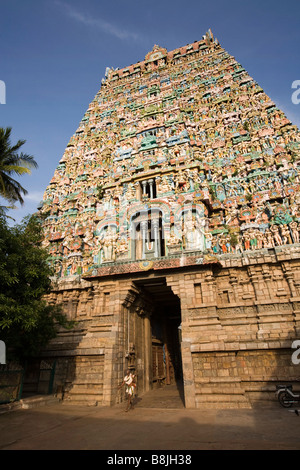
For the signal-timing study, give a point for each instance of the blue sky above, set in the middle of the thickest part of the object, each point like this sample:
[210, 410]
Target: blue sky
[54, 54]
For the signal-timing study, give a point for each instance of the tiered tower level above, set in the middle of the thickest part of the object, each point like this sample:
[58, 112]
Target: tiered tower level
[188, 140]
[176, 207]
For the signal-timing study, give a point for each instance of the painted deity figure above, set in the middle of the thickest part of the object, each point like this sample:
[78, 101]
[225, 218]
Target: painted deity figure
[268, 239]
[193, 236]
[295, 233]
[285, 234]
[276, 235]
[108, 243]
[208, 241]
[122, 246]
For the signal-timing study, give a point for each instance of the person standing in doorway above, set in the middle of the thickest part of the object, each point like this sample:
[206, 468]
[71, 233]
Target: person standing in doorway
[129, 382]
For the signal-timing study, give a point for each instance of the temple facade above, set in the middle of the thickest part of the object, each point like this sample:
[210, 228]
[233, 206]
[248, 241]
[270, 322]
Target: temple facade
[172, 222]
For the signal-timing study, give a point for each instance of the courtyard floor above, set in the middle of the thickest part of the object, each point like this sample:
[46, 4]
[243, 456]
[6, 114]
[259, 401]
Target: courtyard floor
[158, 422]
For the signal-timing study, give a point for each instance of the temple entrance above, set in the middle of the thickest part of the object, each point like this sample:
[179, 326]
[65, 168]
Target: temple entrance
[165, 365]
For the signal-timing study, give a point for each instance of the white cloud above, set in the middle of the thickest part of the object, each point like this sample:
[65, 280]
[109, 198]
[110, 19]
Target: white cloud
[97, 23]
[34, 197]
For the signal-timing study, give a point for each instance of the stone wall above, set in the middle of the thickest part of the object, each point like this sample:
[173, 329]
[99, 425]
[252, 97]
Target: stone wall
[239, 319]
[240, 378]
[238, 325]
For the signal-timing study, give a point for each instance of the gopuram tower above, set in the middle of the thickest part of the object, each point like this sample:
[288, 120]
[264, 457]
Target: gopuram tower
[172, 222]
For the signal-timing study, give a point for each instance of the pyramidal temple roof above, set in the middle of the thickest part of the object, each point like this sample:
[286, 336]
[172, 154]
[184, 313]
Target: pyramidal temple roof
[180, 158]
[158, 53]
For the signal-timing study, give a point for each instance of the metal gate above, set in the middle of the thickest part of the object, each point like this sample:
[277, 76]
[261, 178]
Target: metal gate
[39, 377]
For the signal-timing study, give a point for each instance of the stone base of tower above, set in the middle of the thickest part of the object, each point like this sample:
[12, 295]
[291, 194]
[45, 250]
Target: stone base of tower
[240, 379]
[224, 329]
[83, 383]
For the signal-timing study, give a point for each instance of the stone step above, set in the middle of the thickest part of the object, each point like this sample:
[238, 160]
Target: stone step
[40, 400]
[84, 390]
[83, 400]
[29, 402]
[165, 397]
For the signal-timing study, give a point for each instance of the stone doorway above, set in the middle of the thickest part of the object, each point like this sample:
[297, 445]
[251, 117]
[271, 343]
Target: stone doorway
[164, 345]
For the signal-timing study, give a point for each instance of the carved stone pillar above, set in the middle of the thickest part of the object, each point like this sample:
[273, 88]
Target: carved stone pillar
[156, 237]
[151, 188]
[289, 275]
[148, 353]
[138, 313]
[144, 184]
[144, 227]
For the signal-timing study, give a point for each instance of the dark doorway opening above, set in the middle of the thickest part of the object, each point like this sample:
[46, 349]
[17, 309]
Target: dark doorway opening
[147, 236]
[165, 361]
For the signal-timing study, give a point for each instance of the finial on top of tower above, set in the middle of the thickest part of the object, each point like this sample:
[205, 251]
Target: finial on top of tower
[209, 37]
[156, 53]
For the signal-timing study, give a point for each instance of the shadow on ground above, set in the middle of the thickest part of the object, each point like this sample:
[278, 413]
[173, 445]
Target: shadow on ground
[68, 427]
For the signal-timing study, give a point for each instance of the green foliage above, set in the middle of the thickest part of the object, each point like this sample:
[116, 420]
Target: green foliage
[13, 163]
[27, 323]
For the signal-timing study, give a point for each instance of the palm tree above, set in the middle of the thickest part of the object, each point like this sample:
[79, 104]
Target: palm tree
[13, 163]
